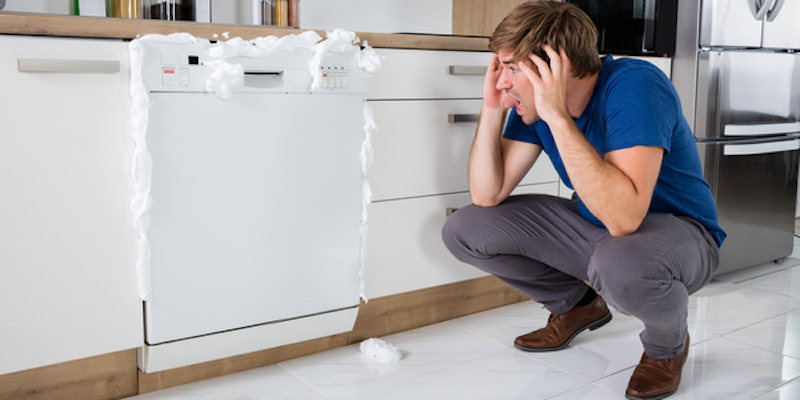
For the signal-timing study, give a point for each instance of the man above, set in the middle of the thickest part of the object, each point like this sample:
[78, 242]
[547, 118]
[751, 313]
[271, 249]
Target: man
[642, 227]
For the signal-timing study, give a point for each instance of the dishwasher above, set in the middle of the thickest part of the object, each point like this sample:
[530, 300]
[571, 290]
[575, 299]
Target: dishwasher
[250, 197]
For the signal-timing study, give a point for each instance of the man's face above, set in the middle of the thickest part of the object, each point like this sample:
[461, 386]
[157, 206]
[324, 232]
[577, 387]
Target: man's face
[516, 85]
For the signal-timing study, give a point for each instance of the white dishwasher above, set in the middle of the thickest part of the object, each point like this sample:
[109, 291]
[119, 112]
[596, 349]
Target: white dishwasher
[254, 202]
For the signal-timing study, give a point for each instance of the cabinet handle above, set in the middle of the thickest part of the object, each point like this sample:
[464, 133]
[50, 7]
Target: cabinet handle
[467, 70]
[449, 211]
[67, 66]
[455, 118]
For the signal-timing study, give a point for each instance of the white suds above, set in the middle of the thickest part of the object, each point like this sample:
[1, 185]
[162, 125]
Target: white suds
[381, 351]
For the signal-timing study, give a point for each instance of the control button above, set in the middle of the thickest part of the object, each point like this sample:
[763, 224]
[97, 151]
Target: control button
[338, 83]
[326, 78]
[168, 77]
[184, 76]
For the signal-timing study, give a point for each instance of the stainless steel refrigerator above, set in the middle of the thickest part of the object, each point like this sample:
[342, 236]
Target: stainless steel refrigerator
[738, 75]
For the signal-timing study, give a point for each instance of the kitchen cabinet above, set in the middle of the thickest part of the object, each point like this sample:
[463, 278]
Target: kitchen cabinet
[67, 242]
[420, 170]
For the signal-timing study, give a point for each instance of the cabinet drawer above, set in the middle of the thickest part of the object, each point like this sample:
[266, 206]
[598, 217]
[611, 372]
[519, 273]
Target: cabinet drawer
[418, 152]
[426, 74]
[404, 243]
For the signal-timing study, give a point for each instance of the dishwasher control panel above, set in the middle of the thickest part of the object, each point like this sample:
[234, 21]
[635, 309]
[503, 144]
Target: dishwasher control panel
[188, 67]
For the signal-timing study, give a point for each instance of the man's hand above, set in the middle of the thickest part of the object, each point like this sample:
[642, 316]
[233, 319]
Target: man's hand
[493, 97]
[549, 84]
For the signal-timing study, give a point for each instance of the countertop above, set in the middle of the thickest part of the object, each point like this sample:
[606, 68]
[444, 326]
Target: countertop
[119, 28]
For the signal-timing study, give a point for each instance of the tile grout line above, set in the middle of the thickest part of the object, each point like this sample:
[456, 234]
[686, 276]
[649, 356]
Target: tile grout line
[773, 388]
[304, 382]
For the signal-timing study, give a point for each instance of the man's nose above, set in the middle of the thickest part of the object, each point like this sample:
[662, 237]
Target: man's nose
[503, 82]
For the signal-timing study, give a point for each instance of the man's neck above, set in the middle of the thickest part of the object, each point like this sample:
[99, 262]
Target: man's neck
[579, 93]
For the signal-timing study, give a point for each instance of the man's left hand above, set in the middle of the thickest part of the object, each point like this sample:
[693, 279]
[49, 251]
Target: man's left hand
[549, 84]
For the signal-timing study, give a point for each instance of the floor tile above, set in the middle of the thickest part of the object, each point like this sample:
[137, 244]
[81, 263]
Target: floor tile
[789, 391]
[786, 282]
[779, 334]
[345, 372]
[723, 369]
[502, 325]
[504, 376]
[271, 382]
[744, 274]
[732, 307]
[588, 392]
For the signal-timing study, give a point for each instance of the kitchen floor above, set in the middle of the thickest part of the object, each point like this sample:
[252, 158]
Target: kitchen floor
[745, 330]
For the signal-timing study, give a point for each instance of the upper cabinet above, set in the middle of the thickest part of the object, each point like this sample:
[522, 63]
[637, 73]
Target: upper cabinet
[480, 17]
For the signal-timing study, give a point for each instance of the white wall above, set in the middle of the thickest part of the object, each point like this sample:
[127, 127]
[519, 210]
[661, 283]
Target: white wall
[40, 6]
[384, 16]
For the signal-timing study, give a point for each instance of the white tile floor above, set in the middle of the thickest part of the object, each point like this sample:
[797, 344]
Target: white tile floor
[745, 329]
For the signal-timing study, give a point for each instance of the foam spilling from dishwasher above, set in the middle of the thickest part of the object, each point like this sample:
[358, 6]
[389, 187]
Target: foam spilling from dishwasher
[380, 350]
[228, 74]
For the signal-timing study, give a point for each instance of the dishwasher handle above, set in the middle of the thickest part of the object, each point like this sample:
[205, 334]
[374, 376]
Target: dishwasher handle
[67, 66]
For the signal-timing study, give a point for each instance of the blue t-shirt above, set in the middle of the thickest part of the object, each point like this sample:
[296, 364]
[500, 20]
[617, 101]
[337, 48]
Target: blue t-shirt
[635, 104]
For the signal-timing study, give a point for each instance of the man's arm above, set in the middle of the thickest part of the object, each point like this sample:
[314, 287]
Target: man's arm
[617, 189]
[496, 164]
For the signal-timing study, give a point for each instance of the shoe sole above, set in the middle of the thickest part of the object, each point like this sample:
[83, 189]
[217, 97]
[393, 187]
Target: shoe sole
[659, 397]
[594, 325]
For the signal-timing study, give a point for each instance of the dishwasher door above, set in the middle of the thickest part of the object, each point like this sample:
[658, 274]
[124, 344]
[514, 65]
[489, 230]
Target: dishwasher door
[256, 210]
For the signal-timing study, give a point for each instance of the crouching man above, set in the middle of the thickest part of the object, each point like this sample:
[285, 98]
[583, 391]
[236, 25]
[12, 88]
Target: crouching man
[642, 228]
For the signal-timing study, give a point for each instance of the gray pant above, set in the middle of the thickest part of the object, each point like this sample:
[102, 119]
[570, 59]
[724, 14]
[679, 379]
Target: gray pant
[541, 246]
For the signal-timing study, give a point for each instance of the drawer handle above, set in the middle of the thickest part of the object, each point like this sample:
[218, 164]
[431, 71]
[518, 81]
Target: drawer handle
[449, 211]
[467, 70]
[456, 118]
[67, 66]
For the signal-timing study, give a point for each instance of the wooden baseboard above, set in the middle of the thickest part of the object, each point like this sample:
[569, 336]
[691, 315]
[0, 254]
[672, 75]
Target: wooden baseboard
[105, 377]
[378, 317]
[115, 375]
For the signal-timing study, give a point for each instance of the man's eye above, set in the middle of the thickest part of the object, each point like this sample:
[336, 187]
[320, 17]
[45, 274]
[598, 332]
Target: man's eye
[513, 70]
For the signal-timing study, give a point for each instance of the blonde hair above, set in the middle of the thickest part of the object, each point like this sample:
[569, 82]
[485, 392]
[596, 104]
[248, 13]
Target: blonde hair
[535, 23]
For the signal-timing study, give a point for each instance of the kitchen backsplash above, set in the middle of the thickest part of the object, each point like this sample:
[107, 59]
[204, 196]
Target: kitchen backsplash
[383, 16]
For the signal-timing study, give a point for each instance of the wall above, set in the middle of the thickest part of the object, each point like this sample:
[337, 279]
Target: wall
[383, 16]
[40, 6]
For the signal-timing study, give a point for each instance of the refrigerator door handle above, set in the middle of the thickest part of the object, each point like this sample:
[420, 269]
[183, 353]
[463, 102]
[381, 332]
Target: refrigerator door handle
[762, 7]
[762, 129]
[760, 148]
[775, 10]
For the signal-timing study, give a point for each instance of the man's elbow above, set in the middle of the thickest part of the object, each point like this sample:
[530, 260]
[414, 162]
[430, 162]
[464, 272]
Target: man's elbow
[485, 201]
[624, 228]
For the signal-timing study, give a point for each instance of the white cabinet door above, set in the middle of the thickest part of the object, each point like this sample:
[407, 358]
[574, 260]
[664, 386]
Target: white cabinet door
[418, 152]
[428, 74]
[67, 243]
[405, 251]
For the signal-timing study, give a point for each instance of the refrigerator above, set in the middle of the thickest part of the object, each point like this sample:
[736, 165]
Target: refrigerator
[737, 71]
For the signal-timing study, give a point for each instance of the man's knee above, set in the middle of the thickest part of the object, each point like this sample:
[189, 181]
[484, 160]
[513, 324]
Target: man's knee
[621, 275]
[456, 231]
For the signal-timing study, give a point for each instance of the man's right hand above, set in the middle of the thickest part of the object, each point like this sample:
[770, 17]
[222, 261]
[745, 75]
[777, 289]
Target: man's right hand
[492, 97]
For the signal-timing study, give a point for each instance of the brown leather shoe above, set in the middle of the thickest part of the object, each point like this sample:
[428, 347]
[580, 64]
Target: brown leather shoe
[656, 379]
[561, 329]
